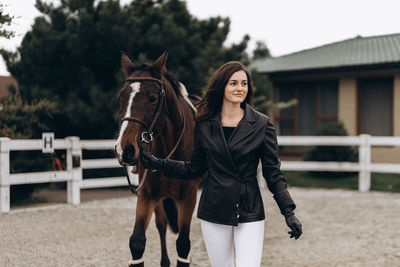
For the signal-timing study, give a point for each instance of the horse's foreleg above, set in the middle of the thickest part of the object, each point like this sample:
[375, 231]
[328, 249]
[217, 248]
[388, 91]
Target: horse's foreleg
[137, 242]
[186, 208]
[161, 223]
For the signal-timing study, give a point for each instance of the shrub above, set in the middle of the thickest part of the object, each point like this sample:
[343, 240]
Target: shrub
[22, 120]
[332, 153]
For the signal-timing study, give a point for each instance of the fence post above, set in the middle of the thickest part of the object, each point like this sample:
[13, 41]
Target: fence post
[364, 158]
[74, 156]
[4, 175]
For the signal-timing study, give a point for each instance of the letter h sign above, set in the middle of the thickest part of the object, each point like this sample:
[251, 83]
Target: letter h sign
[47, 142]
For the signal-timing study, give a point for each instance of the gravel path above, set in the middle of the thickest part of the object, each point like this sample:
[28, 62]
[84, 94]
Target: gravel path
[340, 228]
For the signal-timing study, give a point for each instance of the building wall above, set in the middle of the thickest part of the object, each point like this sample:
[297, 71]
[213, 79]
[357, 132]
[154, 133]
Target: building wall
[391, 154]
[347, 104]
[348, 109]
[396, 105]
[5, 82]
[347, 113]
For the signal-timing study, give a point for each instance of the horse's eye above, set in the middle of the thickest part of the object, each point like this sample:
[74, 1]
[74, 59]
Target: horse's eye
[152, 99]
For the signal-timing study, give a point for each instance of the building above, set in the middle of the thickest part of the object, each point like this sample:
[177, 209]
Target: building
[355, 81]
[5, 83]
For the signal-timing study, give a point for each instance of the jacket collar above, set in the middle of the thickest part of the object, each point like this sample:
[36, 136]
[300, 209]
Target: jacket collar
[241, 131]
[250, 115]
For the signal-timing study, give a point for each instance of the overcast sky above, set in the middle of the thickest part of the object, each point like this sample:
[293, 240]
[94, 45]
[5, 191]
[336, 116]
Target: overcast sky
[285, 25]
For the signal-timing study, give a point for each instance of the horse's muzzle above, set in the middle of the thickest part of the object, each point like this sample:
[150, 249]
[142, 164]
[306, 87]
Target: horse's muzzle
[128, 156]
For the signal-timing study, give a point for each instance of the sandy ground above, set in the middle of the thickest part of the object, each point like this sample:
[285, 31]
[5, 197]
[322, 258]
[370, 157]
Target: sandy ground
[341, 228]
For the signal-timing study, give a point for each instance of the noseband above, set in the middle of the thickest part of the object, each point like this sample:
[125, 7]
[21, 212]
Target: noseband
[147, 136]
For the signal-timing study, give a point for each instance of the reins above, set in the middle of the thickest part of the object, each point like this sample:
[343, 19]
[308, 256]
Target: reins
[147, 136]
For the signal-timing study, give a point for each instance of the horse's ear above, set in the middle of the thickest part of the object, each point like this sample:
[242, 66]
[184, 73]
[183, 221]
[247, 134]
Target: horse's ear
[126, 63]
[159, 64]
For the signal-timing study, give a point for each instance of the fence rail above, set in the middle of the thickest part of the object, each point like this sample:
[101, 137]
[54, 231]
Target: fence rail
[75, 164]
[72, 175]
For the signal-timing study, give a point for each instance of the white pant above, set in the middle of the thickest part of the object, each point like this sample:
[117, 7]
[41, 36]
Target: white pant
[246, 238]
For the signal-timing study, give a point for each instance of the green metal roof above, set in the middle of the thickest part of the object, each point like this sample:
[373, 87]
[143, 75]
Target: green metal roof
[358, 51]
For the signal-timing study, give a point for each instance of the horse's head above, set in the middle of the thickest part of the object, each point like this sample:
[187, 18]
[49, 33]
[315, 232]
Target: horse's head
[141, 99]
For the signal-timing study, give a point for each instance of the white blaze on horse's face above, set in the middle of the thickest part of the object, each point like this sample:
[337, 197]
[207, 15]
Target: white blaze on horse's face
[135, 89]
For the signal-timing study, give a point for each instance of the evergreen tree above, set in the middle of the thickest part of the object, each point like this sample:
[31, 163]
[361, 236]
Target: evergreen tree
[263, 91]
[261, 50]
[72, 55]
[19, 120]
[5, 20]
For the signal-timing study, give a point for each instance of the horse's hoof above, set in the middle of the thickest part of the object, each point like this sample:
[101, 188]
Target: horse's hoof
[165, 263]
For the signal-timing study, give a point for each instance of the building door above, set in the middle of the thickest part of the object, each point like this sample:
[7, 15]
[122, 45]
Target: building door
[375, 106]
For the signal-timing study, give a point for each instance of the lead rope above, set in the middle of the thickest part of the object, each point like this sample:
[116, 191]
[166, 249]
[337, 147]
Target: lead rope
[135, 190]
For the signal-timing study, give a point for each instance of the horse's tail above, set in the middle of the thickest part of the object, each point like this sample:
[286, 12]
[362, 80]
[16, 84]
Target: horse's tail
[172, 213]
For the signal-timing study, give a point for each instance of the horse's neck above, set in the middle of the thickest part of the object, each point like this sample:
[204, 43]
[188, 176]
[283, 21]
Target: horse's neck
[174, 121]
[174, 108]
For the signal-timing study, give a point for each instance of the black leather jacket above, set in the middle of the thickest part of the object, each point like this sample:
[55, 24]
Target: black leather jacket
[231, 194]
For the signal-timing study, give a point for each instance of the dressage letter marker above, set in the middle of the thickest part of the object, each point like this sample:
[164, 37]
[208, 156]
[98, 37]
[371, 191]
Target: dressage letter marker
[47, 142]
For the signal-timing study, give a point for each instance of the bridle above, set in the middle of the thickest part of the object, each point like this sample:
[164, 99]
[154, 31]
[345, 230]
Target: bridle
[161, 100]
[147, 136]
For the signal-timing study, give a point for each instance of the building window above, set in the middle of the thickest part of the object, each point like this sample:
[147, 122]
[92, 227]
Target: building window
[286, 118]
[375, 108]
[327, 104]
[317, 106]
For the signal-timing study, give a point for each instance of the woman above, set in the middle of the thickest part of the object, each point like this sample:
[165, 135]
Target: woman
[230, 138]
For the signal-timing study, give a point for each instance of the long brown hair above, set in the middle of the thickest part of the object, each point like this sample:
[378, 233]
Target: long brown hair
[211, 102]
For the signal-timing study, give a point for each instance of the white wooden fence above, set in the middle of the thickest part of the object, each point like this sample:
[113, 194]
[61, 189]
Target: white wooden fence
[75, 181]
[364, 167]
[72, 175]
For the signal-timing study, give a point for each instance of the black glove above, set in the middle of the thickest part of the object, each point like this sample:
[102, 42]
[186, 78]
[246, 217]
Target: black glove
[293, 223]
[149, 161]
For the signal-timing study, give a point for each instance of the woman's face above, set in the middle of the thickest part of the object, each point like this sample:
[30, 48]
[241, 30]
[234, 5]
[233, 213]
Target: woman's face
[236, 88]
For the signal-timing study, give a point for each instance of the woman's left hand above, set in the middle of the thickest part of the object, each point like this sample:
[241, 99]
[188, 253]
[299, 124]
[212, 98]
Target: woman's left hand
[295, 225]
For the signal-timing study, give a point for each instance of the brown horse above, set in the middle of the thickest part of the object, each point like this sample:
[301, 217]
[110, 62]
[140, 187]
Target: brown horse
[152, 98]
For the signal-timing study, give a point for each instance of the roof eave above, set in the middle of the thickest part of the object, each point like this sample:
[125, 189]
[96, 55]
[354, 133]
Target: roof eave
[335, 69]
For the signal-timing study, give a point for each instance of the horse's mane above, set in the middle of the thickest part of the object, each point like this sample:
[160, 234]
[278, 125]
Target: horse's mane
[174, 82]
[167, 75]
